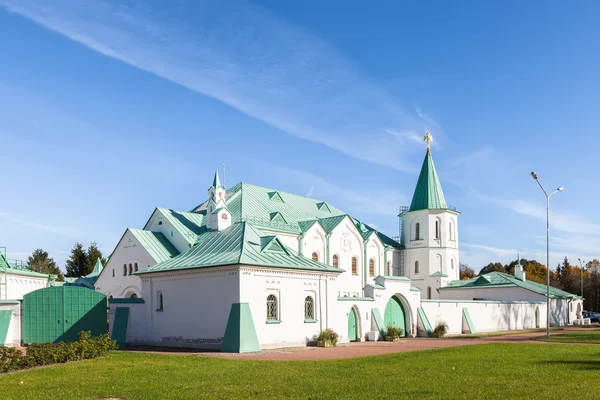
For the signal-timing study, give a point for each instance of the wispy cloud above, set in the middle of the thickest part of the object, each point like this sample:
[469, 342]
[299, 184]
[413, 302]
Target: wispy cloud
[15, 219]
[561, 221]
[248, 58]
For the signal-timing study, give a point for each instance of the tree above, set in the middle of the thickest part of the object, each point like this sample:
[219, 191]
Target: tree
[568, 277]
[77, 264]
[492, 267]
[93, 254]
[534, 271]
[466, 272]
[40, 261]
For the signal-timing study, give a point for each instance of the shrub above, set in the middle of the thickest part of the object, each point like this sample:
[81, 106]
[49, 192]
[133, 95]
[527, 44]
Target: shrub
[328, 335]
[441, 329]
[11, 359]
[50, 353]
[393, 332]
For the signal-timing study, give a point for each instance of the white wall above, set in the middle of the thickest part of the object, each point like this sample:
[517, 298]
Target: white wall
[19, 285]
[196, 307]
[487, 316]
[128, 251]
[13, 337]
[346, 242]
[290, 287]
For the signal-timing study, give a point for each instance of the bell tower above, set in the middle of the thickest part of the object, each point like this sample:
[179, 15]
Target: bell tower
[430, 233]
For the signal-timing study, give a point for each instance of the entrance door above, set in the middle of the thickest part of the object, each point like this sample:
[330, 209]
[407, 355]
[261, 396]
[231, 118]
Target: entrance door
[394, 315]
[352, 325]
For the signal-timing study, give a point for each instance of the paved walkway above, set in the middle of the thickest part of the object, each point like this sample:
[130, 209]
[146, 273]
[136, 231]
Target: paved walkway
[364, 349]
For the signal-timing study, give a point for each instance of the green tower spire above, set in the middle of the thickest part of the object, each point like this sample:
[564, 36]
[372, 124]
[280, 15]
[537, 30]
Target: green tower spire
[216, 181]
[428, 193]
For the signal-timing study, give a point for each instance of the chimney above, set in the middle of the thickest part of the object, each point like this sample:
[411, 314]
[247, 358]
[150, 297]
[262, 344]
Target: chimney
[519, 273]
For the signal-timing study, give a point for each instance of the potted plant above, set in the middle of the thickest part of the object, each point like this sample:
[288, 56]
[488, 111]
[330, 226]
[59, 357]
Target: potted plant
[393, 333]
[440, 330]
[327, 338]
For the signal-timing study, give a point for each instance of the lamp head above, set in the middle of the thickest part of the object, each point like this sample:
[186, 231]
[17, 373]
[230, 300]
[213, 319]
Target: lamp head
[560, 189]
[534, 175]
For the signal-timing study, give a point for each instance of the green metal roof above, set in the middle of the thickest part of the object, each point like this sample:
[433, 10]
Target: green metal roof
[156, 244]
[23, 271]
[438, 273]
[241, 243]
[188, 224]
[500, 279]
[428, 193]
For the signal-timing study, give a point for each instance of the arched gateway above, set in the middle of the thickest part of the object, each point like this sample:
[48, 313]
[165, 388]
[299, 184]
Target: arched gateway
[396, 315]
[352, 325]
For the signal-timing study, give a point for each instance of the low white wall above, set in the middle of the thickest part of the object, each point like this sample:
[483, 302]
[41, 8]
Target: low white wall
[13, 337]
[487, 316]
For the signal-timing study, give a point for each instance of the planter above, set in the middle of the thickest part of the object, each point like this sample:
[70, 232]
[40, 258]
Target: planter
[392, 339]
[325, 343]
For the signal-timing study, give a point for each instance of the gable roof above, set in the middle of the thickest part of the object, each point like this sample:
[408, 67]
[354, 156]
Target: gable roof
[156, 244]
[241, 243]
[428, 193]
[188, 224]
[501, 279]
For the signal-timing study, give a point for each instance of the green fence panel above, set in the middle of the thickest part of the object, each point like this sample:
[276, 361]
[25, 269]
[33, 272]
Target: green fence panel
[119, 330]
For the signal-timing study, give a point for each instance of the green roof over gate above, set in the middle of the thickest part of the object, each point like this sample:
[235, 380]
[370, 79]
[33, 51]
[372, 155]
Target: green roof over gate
[500, 279]
[18, 270]
[428, 193]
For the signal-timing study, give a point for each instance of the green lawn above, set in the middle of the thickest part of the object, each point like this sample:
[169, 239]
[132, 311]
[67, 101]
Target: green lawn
[505, 333]
[574, 337]
[494, 371]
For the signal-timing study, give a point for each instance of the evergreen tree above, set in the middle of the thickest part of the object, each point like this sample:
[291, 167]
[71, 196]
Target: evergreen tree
[40, 261]
[93, 254]
[77, 264]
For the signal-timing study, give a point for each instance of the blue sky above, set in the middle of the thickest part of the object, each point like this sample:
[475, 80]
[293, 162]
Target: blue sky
[113, 108]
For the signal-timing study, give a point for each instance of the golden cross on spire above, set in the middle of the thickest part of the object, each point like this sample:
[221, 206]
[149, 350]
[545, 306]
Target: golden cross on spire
[428, 139]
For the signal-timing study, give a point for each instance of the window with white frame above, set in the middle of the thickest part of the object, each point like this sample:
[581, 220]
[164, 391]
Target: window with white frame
[272, 308]
[309, 308]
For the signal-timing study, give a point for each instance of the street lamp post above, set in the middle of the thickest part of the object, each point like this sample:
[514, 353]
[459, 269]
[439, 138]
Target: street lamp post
[560, 189]
[581, 265]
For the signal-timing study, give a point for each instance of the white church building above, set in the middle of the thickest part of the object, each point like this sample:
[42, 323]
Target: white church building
[253, 268]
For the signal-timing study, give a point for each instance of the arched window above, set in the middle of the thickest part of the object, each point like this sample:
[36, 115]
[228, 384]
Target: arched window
[429, 292]
[133, 296]
[389, 268]
[110, 297]
[451, 231]
[135, 267]
[113, 272]
[124, 269]
[335, 261]
[315, 256]
[309, 308]
[440, 262]
[160, 302]
[272, 308]
[418, 231]
[371, 267]
[452, 263]
[354, 270]
[437, 229]
[130, 269]
[224, 216]
[416, 267]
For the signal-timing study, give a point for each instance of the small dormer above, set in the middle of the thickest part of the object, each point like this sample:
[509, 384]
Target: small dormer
[323, 206]
[220, 219]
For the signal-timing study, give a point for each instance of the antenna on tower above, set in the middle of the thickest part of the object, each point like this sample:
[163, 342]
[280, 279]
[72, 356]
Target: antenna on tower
[224, 177]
